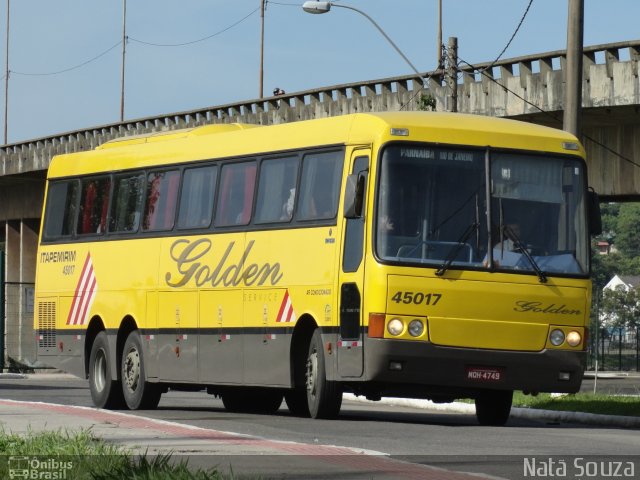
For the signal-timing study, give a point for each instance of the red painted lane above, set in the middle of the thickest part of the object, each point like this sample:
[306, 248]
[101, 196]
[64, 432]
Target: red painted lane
[339, 456]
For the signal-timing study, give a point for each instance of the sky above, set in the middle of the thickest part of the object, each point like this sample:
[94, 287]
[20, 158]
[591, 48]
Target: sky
[56, 83]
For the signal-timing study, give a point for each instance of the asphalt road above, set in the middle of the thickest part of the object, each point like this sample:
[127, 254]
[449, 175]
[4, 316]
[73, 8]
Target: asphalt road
[448, 440]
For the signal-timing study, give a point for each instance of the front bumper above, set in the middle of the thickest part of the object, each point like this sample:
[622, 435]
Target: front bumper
[445, 370]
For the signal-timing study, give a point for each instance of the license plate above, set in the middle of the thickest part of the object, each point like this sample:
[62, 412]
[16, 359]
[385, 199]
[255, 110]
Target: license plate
[485, 374]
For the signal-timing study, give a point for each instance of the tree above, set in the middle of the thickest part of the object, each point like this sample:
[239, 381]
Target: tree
[628, 230]
[620, 307]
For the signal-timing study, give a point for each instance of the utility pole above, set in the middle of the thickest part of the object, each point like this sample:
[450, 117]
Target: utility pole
[124, 51]
[261, 91]
[452, 72]
[439, 57]
[6, 80]
[573, 77]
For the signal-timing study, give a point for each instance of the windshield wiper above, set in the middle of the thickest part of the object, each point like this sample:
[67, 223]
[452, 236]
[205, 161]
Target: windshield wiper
[522, 248]
[453, 252]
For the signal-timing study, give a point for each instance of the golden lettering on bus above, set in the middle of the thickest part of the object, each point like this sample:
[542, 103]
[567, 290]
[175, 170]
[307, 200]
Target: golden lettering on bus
[189, 257]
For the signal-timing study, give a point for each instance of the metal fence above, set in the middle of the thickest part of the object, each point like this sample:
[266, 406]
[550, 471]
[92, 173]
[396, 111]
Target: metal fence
[615, 349]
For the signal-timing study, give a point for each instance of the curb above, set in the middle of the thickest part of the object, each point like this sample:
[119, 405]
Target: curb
[12, 376]
[517, 412]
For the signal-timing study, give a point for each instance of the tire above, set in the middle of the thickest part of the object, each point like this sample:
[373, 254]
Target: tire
[105, 392]
[297, 402]
[324, 397]
[493, 407]
[138, 393]
[252, 400]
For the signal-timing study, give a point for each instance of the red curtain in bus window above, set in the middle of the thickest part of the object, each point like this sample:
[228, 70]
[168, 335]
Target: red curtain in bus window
[173, 179]
[249, 182]
[106, 187]
[90, 195]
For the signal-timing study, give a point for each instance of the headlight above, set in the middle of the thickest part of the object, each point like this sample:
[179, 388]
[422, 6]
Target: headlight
[416, 328]
[574, 338]
[395, 327]
[556, 337]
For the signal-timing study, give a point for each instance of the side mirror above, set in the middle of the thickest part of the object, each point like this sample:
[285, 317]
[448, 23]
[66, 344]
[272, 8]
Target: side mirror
[354, 195]
[595, 219]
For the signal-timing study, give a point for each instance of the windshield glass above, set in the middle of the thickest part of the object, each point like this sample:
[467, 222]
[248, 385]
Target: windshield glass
[432, 210]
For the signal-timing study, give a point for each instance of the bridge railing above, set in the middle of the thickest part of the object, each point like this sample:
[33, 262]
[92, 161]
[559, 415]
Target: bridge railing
[531, 73]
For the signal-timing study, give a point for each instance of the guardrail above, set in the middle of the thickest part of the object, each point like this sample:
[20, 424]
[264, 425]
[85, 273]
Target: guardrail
[535, 72]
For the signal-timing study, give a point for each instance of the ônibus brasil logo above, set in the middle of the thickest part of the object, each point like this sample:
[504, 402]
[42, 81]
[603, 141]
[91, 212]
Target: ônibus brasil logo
[39, 468]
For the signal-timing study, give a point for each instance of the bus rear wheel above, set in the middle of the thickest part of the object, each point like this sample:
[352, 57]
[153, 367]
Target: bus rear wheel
[493, 407]
[324, 397]
[138, 393]
[105, 392]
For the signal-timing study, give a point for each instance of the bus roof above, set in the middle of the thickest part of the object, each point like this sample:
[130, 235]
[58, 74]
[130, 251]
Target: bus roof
[232, 140]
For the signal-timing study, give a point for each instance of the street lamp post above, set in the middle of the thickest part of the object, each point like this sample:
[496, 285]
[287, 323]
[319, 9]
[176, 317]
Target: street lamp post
[124, 53]
[6, 79]
[261, 90]
[324, 7]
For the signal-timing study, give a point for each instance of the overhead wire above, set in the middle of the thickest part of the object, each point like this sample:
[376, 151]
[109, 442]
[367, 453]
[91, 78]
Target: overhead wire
[444, 49]
[129, 38]
[482, 71]
[44, 74]
[512, 36]
[198, 40]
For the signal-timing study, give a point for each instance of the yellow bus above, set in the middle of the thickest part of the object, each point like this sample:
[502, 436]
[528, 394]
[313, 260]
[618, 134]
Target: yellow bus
[397, 254]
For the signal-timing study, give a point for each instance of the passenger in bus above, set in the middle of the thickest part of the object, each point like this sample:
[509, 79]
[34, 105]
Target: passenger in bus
[508, 244]
[287, 208]
[505, 250]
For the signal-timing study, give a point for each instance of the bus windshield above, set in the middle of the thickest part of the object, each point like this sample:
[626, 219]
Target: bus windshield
[432, 209]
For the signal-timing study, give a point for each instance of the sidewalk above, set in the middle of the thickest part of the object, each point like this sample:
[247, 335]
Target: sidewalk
[231, 453]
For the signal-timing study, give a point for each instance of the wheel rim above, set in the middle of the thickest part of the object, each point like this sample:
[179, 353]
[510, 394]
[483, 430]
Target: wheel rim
[131, 370]
[312, 373]
[100, 371]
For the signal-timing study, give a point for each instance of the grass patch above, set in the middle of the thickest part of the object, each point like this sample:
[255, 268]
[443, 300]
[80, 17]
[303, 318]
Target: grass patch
[85, 457]
[581, 402]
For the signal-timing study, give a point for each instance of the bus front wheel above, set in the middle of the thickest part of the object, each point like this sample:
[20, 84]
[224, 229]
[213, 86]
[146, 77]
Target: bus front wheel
[138, 393]
[493, 407]
[105, 392]
[324, 397]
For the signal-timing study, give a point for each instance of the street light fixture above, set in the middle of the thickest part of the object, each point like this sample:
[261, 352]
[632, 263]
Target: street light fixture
[317, 7]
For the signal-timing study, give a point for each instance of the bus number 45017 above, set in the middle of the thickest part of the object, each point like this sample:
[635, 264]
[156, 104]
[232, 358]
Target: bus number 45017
[417, 298]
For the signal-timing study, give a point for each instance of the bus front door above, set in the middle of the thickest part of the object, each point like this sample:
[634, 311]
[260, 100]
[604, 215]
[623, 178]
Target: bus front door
[351, 332]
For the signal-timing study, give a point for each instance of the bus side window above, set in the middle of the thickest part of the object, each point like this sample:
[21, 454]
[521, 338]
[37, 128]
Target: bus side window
[196, 199]
[62, 205]
[127, 203]
[160, 205]
[94, 203]
[320, 186]
[276, 190]
[235, 197]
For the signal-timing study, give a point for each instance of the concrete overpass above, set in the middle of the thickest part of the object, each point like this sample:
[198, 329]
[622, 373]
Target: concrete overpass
[528, 88]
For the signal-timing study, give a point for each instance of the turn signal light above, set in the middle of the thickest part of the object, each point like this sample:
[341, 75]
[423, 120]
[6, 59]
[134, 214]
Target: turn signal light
[376, 325]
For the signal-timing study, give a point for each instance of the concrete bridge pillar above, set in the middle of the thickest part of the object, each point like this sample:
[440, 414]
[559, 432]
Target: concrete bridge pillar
[21, 242]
